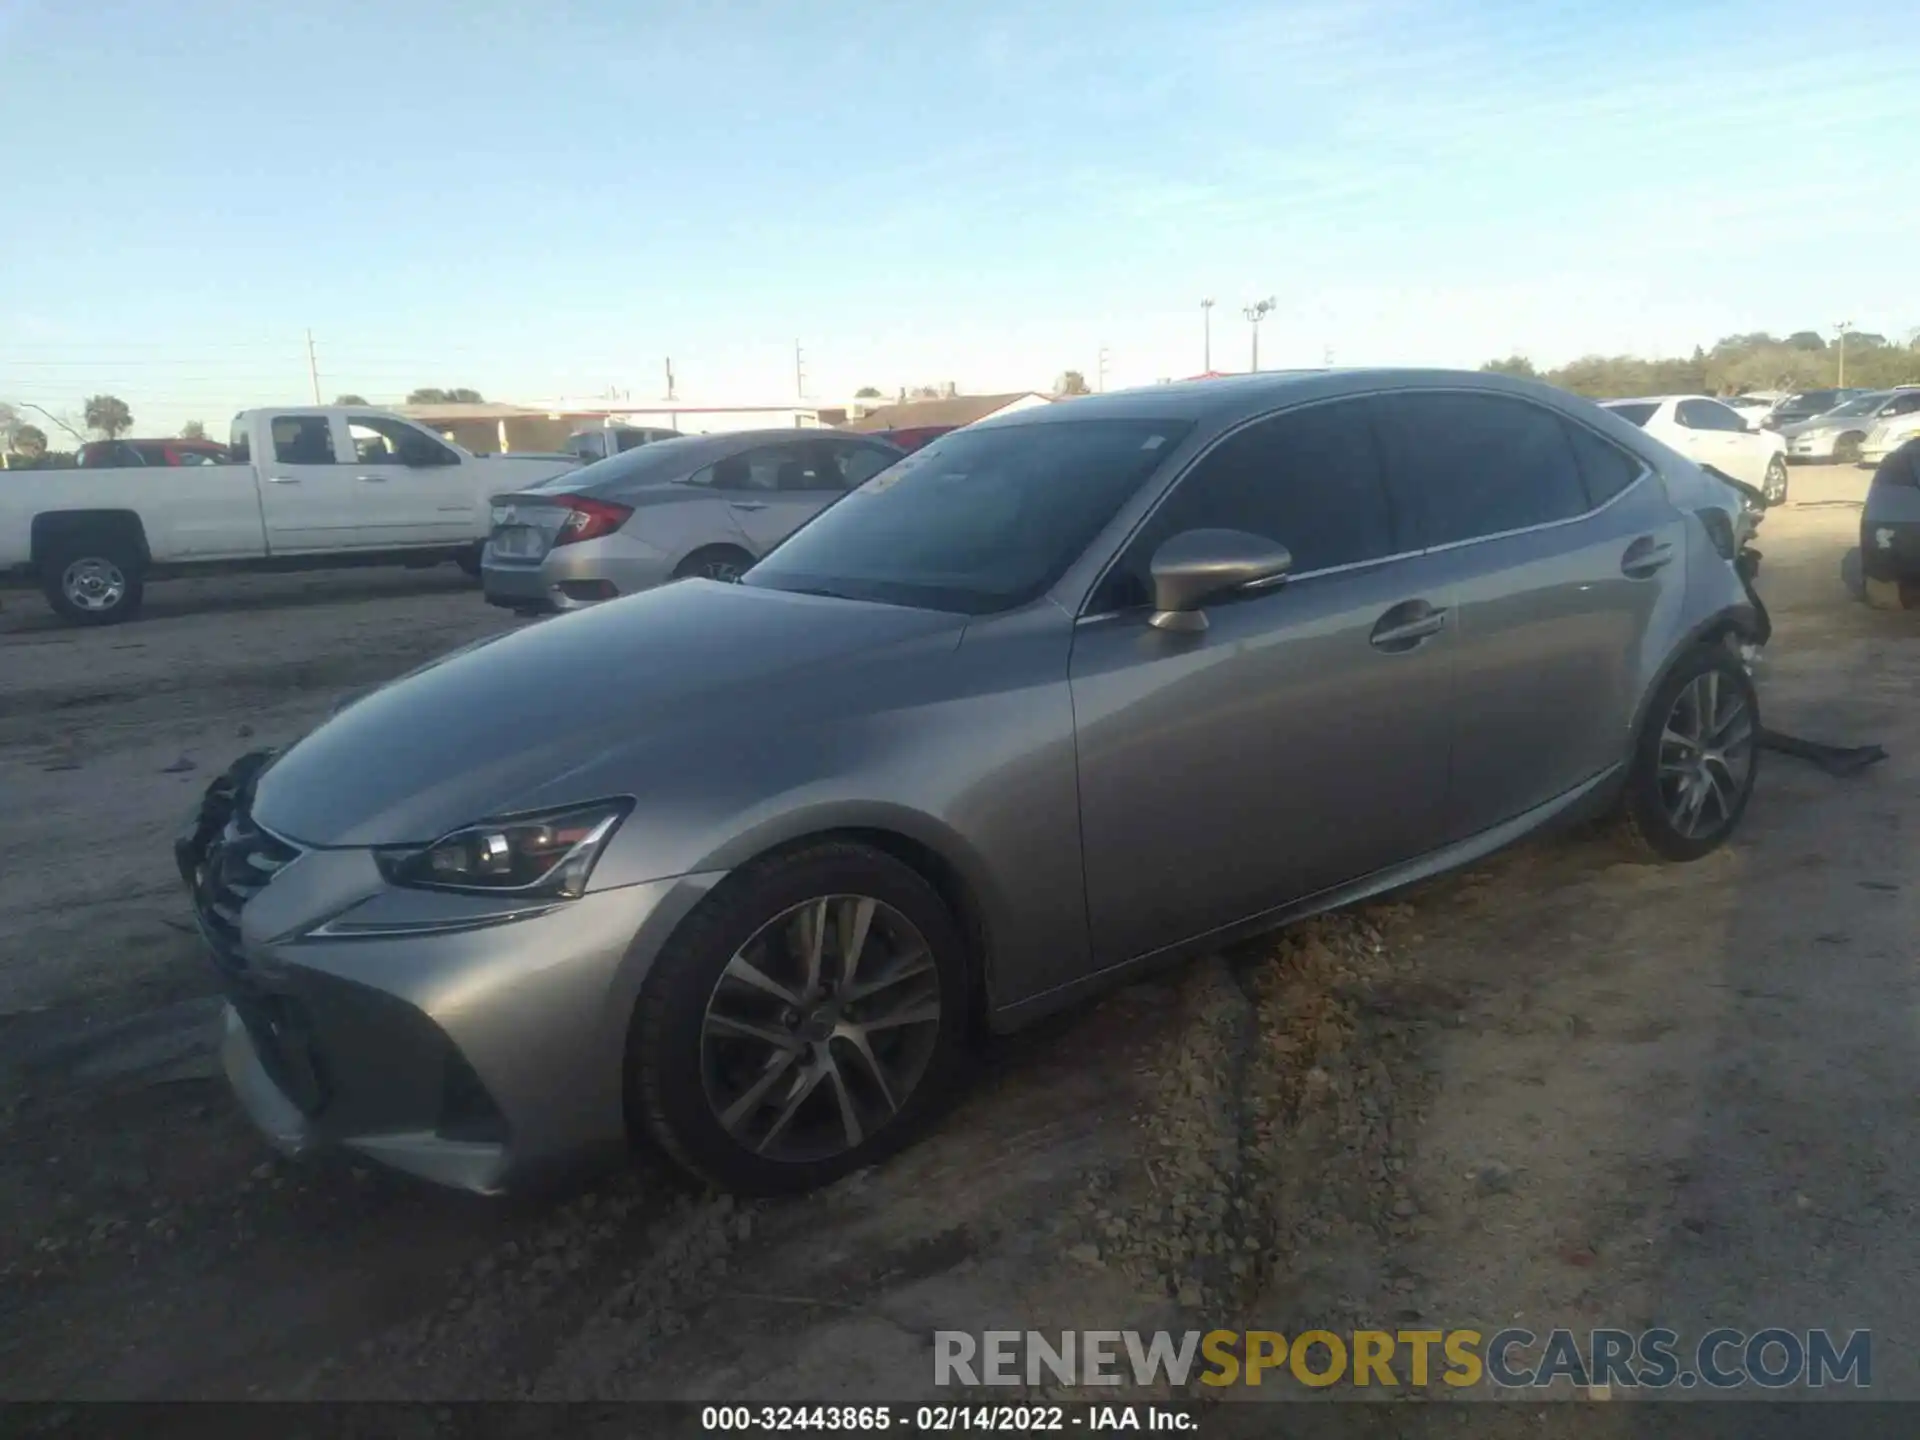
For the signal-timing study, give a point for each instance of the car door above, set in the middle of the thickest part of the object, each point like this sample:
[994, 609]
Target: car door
[1717, 436]
[413, 490]
[775, 489]
[309, 500]
[1299, 740]
[1563, 557]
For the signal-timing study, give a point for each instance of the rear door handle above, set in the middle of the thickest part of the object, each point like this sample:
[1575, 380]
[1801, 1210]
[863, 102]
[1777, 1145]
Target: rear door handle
[1406, 626]
[749, 504]
[374, 479]
[283, 479]
[1645, 557]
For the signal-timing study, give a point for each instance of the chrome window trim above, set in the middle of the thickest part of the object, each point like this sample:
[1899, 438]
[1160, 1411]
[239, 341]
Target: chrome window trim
[1279, 581]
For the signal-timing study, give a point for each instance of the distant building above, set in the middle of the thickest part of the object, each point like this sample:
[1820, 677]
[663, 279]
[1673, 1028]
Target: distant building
[948, 412]
[495, 427]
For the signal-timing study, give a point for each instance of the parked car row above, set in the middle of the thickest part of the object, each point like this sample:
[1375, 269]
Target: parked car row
[1156, 650]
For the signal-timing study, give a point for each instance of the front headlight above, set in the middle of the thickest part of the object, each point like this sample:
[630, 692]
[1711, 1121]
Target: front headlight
[549, 855]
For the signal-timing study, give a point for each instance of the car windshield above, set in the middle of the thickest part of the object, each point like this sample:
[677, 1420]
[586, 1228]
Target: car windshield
[658, 463]
[977, 522]
[1638, 411]
[1864, 405]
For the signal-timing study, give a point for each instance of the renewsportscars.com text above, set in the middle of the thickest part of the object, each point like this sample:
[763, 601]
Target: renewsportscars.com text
[1657, 1359]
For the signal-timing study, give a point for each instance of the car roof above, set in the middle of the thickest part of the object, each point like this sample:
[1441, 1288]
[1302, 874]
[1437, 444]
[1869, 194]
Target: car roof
[1226, 400]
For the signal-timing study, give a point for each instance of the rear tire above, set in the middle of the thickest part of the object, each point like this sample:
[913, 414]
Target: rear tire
[94, 582]
[715, 1062]
[724, 563]
[1696, 760]
[469, 562]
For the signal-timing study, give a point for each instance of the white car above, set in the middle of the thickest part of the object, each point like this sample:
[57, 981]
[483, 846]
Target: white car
[1891, 431]
[1840, 435]
[1708, 432]
[1754, 406]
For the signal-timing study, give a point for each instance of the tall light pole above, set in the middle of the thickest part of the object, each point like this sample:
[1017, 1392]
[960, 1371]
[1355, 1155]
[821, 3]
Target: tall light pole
[1843, 327]
[1206, 333]
[1100, 384]
[1255, 314]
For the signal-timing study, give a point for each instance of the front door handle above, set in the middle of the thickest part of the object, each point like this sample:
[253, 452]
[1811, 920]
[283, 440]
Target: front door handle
[1645, 557]
[749, 504]
[1405, 627]
[374, 479]
[283, 479]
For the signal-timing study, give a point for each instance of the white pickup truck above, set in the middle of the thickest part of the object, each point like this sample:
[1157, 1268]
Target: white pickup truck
[307, 488]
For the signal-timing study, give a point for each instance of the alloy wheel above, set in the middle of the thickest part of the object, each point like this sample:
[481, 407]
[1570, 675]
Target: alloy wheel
[1776, 484]
[727, 572]
[1706, 756]
[820, 1028]
[93, 584]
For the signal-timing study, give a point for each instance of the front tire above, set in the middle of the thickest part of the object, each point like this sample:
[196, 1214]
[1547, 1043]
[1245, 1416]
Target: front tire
[1774, 489]
[1846, 450]
[807, 1020]
[1698, 755]
[94, 582]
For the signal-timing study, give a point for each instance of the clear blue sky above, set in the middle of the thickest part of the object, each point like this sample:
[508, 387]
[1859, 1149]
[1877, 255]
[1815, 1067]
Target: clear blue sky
[544, 199]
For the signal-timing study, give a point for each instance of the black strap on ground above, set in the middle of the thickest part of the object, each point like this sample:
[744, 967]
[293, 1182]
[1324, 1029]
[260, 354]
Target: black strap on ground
[1840, 761]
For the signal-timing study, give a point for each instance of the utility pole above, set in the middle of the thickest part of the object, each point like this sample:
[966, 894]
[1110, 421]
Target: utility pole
[1206, 337]
[1101, 375]
[799, 373]
[313, 368]
[670, 394]
[1255, 314]
[1326, 357]
[1843, 327]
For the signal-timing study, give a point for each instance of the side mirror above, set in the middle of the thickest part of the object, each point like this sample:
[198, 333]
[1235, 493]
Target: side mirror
[1196, 566]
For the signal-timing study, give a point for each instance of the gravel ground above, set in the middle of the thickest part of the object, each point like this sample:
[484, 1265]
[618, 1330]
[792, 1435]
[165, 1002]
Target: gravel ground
[1561, 1087]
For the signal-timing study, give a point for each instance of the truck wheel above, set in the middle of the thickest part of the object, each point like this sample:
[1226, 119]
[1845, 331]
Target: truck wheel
[94, 582]
[469, 562]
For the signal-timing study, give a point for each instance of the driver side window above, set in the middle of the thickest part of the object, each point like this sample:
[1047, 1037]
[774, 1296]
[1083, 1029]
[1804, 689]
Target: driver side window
[378, 440]
[1310, 479]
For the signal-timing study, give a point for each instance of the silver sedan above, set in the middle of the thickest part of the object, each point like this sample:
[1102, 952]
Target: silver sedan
[700, 505]
[1058, 698]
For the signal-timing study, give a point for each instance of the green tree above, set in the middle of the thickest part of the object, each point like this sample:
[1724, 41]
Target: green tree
[28, 441]
[352, 400]
[1517, 366]
[109, 415]
[193, 430]
[866, 392]
[1806, 340]
[429, 395]
[1071, 382]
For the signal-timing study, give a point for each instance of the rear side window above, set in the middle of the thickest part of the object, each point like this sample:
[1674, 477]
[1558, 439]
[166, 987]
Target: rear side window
[1707, 415]
[1482, 464]
[1634, 412]
[302, 440]
[1310, 479]
[1604, 466]
[860, 463]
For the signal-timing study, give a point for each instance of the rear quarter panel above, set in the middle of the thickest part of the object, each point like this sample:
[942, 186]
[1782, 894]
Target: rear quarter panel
[188, 512]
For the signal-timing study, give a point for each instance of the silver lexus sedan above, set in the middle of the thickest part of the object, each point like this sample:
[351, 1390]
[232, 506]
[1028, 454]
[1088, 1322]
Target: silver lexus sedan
[695, 505]
[738, 867]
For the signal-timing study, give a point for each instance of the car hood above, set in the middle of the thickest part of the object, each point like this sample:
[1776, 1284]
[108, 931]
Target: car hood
[506, 725]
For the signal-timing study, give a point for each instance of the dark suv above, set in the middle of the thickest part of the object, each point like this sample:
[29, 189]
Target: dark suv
[1806, 405]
